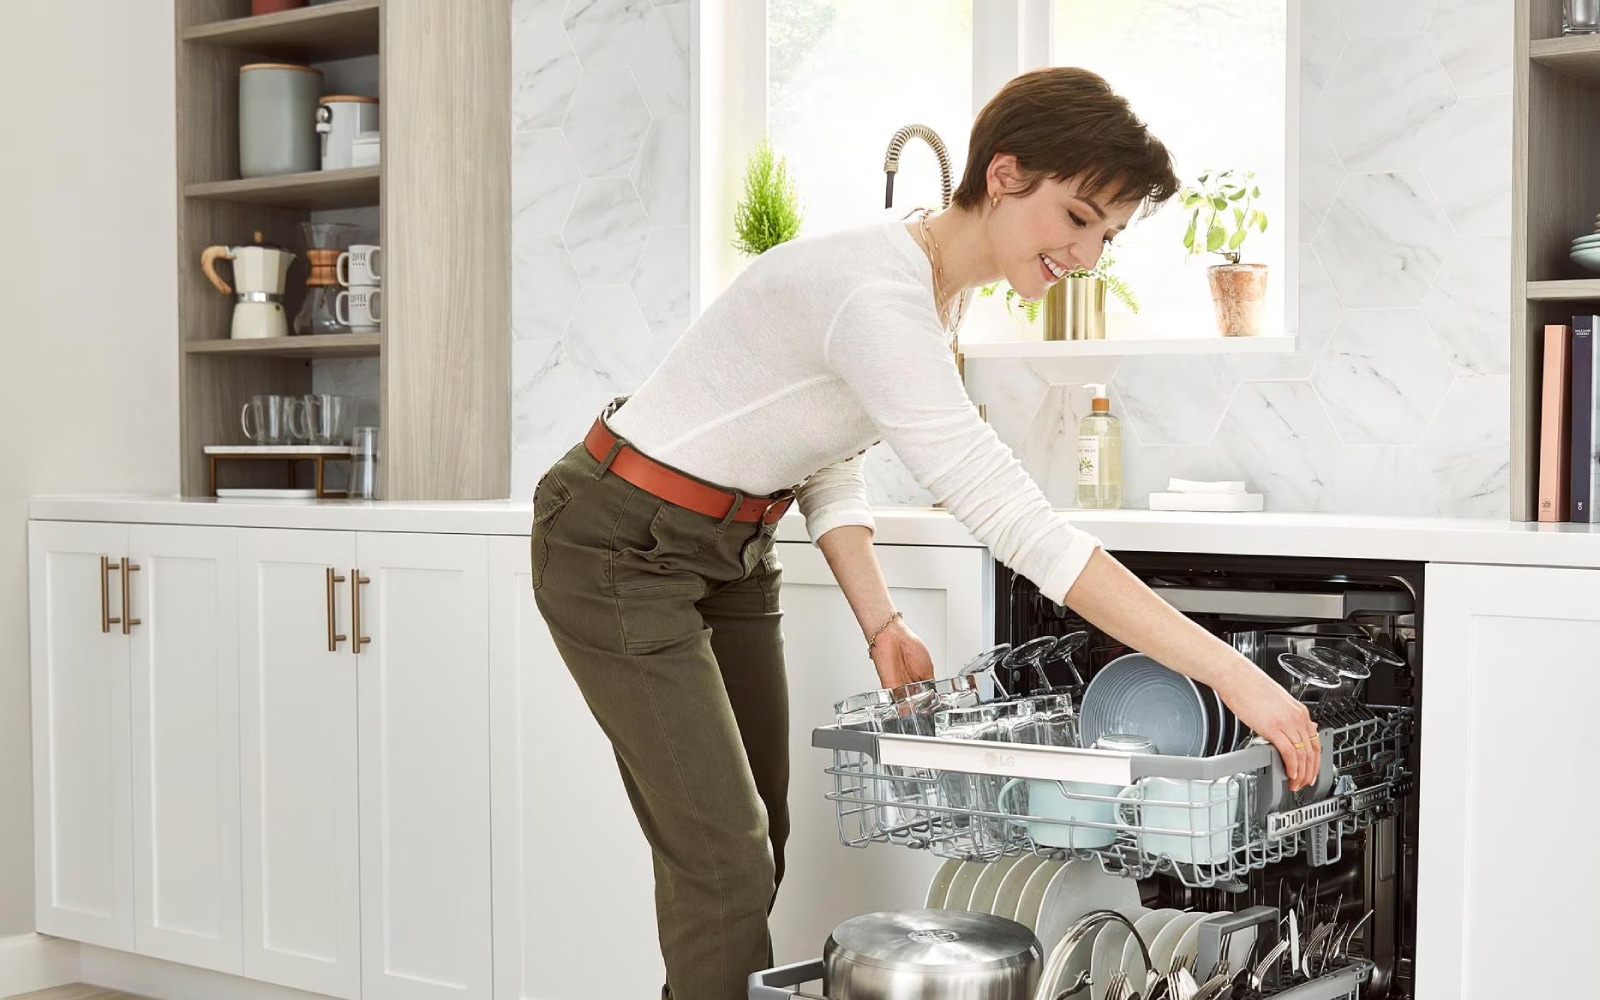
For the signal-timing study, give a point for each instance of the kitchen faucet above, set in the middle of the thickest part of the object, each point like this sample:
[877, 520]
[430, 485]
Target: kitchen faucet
[891, 160]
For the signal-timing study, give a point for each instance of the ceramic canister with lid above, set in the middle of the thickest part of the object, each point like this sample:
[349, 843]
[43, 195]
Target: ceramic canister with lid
[278, 118]
[340, 119]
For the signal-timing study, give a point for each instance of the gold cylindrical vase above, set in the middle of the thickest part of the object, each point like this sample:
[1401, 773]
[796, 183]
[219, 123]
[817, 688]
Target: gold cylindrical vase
[1075, 309]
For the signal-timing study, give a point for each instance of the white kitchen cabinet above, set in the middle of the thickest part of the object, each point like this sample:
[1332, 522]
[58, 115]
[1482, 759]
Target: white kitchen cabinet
[185, 744]
[136, 738]
[300, 809]
[1507, 869]
[424, 766]
[82, 782]
[944, 595]
[364, 675]
[574, 902]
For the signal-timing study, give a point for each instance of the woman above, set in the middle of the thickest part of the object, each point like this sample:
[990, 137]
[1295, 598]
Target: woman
[652, 539]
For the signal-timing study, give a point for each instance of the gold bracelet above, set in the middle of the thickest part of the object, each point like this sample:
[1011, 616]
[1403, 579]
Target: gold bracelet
[874, 640]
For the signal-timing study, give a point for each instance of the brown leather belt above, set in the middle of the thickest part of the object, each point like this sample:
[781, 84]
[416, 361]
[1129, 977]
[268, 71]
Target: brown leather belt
[676, 487]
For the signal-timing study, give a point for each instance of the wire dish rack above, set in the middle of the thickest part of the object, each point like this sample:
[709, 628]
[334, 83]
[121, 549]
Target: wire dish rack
[1207, 821]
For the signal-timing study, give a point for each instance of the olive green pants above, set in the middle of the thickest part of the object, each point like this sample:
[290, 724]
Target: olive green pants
[669, 622]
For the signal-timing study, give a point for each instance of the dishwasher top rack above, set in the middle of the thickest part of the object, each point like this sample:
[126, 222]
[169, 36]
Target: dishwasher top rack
[1207, 821]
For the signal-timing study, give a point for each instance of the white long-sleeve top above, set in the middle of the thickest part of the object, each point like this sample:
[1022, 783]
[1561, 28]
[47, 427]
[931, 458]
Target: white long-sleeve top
[821, 348]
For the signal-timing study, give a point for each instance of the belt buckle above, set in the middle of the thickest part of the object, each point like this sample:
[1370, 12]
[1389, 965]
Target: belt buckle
[771, 504]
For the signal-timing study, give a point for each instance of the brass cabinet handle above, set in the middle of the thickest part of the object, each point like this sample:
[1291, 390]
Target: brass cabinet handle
[106, 566]
[333, 638]
[128, 621]
[358, 640]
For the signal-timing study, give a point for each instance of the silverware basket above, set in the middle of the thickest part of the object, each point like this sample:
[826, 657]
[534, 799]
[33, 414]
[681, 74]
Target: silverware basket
[1206, 821]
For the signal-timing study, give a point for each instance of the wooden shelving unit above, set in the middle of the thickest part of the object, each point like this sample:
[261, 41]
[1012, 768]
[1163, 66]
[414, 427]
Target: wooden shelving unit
[444, 84]
[1555, 197]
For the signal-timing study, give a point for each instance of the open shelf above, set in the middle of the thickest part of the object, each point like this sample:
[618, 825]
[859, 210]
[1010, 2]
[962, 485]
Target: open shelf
[313, 191]
[335, 345]
[1574, 290]
[339, 30]
[1576, 56]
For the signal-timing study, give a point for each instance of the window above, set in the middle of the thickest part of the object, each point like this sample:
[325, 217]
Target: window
[1210, 80]
[843, 76]
[830, 81]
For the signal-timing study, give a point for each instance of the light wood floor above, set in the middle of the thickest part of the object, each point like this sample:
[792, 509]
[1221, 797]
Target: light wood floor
[77, 991]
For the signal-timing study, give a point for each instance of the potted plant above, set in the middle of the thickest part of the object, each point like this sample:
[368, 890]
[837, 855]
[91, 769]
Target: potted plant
[769, 212]
[1024, 311]
[1075, 306]
[1238, 290]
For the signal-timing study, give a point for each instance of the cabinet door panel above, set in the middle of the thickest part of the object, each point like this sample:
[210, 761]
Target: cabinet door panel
[1510, 680]
[185, 720]
[424, 737]
[297, 700]
[82, 785]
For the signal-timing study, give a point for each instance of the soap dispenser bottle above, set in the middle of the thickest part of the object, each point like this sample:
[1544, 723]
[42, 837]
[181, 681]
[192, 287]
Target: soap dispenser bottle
[1099, 454]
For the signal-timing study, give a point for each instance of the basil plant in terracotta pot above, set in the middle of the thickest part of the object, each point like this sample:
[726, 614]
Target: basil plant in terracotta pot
[1222, 214]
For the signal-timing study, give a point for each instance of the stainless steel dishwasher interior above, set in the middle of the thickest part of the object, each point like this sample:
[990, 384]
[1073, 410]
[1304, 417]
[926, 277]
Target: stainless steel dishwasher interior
[1265, 606]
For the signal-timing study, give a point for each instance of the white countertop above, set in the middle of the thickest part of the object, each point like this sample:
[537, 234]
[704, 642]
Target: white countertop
[1419, 539]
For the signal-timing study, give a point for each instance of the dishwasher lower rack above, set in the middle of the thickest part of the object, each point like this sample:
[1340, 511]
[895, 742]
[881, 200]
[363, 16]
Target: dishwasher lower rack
[1207, 821]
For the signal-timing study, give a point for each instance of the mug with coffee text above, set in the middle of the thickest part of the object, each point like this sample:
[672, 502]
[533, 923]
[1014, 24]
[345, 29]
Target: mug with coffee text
[360, 307]
[360, 265]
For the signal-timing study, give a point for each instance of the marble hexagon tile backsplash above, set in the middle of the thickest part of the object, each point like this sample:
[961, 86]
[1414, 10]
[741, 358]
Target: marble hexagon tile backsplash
[600, 196]
[1397, 400]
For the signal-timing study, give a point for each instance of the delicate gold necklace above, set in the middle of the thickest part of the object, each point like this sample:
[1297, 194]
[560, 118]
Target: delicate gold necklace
[949, 314]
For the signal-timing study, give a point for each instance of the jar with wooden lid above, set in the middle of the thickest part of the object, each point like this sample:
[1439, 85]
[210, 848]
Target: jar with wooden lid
[278, 119]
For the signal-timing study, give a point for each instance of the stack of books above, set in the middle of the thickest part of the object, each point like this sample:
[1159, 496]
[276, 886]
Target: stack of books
[1569, 426]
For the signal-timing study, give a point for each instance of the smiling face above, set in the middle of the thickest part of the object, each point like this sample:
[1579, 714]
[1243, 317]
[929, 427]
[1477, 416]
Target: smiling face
[1036, 238]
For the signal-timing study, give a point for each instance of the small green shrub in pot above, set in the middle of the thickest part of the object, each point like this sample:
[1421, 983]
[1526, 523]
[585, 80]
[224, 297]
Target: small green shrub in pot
[769, 212]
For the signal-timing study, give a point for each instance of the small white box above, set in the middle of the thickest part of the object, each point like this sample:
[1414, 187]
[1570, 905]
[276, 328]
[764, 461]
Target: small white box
[366, 150]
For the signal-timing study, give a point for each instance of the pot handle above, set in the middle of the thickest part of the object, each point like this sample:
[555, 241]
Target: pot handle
[208, 263]
[777, 984]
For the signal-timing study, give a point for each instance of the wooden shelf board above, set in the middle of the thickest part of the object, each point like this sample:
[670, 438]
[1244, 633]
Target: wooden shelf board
[317, 190]
[1576, 290]
[1575, 55]
[338, 30]
[336, 345]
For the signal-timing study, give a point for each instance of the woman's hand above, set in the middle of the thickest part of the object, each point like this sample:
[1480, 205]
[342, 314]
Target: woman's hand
[901, 657]
[1263, 705]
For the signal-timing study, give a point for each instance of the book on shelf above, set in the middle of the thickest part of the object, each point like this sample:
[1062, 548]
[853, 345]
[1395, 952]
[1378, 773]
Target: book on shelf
[1554, 423]
[1582, 467]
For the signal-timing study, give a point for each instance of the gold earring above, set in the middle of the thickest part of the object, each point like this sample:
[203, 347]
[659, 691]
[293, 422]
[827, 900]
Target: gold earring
[994, 202]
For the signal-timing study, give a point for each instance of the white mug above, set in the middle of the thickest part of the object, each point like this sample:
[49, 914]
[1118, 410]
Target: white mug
[1068, 805]
[359, 265]
[360, 308]
[1196, 818]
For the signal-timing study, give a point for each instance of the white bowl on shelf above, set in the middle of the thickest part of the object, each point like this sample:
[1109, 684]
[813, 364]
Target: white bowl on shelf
[1586, 258]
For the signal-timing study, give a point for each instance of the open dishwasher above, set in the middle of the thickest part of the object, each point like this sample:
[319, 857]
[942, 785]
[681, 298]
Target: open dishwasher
[1340, 854]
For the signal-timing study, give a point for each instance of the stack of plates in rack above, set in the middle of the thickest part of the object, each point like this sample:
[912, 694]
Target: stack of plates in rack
[1134, 695]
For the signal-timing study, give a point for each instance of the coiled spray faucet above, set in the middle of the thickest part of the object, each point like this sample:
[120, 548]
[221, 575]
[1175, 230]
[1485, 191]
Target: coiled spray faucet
[891, 161]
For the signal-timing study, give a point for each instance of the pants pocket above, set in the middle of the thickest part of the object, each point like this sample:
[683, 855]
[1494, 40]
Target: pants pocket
[550, 497]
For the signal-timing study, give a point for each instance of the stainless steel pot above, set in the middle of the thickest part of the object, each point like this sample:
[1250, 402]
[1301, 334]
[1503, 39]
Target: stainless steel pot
[931, 955]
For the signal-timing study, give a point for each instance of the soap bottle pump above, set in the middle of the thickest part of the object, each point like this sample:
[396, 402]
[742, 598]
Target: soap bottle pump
[1099, 454]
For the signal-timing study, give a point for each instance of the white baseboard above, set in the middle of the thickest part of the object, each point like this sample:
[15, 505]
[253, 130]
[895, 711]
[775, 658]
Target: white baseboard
[152, 977]
[31, 962]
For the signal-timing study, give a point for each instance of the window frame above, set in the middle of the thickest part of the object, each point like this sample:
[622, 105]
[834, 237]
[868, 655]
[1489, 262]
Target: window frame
[728, 116]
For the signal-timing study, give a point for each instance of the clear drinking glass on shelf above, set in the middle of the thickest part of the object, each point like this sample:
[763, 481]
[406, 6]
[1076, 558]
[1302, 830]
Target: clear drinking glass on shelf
[364, 464]
[1580, 17]
[865, 711]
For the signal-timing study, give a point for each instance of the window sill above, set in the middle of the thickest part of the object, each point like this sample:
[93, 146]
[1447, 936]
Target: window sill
[1127, 347]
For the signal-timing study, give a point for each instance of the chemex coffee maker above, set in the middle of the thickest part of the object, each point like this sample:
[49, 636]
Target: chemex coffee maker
[260, 272]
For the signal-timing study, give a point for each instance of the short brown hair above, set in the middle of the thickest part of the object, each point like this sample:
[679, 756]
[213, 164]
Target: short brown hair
[1067, 122]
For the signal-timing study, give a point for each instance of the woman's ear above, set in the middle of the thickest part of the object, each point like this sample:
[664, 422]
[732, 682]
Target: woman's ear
[1004, 175]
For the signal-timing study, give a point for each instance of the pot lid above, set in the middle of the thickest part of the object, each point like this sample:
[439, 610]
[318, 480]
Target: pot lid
[347, 99]
[934, 940]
